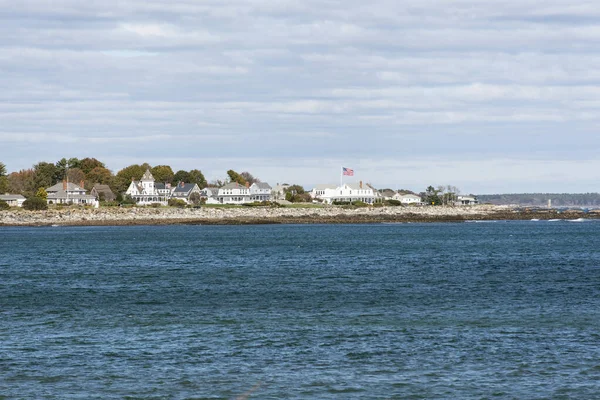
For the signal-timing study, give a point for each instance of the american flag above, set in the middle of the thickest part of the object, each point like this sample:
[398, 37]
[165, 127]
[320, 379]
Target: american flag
[347, 171]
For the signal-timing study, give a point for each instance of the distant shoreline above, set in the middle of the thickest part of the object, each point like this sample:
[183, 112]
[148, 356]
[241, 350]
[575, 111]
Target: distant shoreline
[256, 216]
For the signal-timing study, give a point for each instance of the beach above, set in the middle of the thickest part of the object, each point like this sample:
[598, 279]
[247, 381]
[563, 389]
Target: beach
[275, 215]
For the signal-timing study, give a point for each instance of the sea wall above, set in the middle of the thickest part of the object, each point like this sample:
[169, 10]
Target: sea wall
[258, 215]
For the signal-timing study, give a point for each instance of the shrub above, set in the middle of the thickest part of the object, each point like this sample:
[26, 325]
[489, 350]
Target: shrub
[359, 203]
[393, 202]
[177, 203]
[35, 203]
[4, 205]
[155, 205]
[109, 204]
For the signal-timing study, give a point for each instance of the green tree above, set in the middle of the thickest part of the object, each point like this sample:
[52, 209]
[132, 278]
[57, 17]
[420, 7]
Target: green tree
[61, 167]
[431, 196]
[45, 175]
[235, 177]
[296, 194]
[162, 173]
[195, 198]
[196, 176]
[3, 179]
[4, 205]
[35, 203]
[181, 176]
[88, 164]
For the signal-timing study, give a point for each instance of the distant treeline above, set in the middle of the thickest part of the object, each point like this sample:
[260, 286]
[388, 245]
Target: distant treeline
[541, 199]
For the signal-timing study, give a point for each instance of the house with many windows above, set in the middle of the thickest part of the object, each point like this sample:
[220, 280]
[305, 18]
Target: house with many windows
[261, 191]
[348, 192]
[69, 193]
[407, 198]
[13, 200]
[184, 191]
[234, 193]
[146, 192]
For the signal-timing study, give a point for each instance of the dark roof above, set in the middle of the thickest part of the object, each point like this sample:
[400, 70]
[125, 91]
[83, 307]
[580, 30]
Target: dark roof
[185, 188]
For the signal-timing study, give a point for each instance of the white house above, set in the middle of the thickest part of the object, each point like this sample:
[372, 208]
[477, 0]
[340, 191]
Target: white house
[146, 192]
[260, 191]
[69, 193]
[348, 192]
[210, 195]
[407, 199]
[13, 200]
[278, 192]
[466, 200]
[234, 193]
[184, 190]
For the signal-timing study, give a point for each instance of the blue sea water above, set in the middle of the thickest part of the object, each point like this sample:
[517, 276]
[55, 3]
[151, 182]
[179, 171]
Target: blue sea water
[382, 311]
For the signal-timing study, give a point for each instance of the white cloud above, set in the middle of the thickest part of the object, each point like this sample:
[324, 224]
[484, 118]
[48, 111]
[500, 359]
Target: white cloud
[293, 88]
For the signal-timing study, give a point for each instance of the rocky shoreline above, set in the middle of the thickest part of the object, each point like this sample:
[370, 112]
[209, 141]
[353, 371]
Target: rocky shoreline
[260, 215]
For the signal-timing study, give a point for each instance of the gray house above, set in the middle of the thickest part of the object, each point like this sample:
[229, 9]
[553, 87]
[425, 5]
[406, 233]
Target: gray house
[184, 190]
[13, 200]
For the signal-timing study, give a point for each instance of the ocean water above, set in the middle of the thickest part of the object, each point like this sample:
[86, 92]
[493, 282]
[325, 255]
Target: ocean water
[384, 311]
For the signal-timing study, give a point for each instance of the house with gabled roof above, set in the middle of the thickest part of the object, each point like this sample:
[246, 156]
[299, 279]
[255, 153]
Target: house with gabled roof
[69, 193]
[102, 192]
[348, 192]
[261, 191]
[183, 191]
[145, 192]
[13, 200]
[234, 193]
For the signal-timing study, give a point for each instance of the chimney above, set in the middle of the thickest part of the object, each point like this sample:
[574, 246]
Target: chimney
[247, 184]
[361, 184]
[182, 183]
[64, 184]
[81, 184]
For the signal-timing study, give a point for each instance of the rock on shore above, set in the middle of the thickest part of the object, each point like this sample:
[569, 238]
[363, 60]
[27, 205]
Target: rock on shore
[258, 215]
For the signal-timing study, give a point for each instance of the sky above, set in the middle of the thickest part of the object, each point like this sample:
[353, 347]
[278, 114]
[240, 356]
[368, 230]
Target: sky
[489, 96]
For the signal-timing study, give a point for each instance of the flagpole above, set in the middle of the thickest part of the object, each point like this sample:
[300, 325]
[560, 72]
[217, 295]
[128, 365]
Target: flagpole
[341, 176]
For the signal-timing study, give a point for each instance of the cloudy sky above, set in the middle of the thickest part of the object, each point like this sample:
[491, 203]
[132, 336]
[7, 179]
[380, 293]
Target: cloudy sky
[490, 96]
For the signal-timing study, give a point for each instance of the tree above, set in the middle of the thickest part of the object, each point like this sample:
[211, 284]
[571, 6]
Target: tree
[4, 205]
[431, 196]
[296, 194]
[99, 175]
[3, 179]
[45, 175]
[195, 198]
[235, 177]
[196, 176]
[22, 182]
[249, 178]
[75, 175]
[41, 193]
[61, 167]
[181, 176]
[87, 165]
[35, 203]
[162, 173]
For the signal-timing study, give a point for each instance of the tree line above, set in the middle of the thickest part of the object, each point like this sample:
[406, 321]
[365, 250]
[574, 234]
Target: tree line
[91, 171]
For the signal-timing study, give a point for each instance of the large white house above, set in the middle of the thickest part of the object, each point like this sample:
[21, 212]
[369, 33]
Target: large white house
[234, 193]
[146, 192]
[348, 192]
[261, 191]
[69, 193]
[407, 199]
